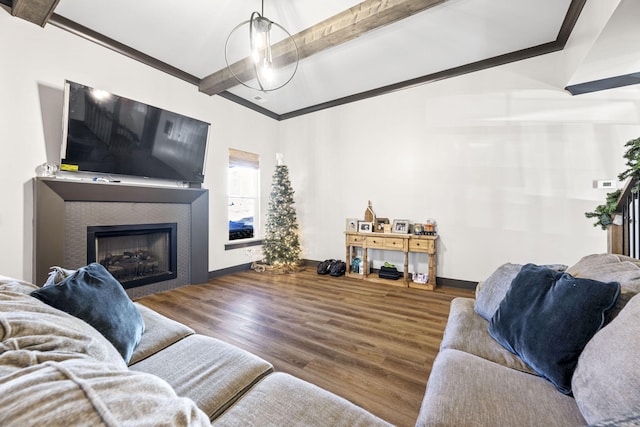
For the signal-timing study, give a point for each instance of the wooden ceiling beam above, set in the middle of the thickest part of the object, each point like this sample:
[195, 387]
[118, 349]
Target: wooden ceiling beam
[36, 11]
[336, 30]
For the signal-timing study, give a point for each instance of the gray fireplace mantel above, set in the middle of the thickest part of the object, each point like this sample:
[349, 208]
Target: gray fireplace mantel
[51, 195]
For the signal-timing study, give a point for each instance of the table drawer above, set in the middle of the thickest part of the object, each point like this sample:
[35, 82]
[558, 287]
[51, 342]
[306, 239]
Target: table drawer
[375, 242]
[416, 245]
[394, 244]
[355, 240]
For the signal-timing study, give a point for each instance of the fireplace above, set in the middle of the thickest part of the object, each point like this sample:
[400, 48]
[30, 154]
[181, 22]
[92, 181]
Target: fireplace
[136, 254]
[65, 209]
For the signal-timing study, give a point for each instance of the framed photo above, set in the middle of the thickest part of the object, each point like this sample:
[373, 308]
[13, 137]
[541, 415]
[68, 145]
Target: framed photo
[380, 222]
[352, 224]
[400, 226]
[418, 229]
[365, 227]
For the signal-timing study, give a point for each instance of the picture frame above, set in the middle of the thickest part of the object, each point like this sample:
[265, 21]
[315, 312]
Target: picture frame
[365, 226]
[380, 222]
[418, 229]
[352, 224]
[400, 226]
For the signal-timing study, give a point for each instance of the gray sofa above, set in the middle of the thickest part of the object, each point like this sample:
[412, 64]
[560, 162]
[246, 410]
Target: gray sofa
[55, 369]
[475, 381]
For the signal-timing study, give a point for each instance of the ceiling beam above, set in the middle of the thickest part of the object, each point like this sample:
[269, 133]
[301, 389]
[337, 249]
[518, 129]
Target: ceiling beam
[604, 84]
[336, 30]
[36, 11]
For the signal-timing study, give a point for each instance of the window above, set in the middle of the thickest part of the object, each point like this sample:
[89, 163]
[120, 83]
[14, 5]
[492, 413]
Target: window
[244, 172]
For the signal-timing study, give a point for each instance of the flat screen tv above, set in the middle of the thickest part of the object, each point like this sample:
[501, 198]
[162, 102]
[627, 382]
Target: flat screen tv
[109, 134]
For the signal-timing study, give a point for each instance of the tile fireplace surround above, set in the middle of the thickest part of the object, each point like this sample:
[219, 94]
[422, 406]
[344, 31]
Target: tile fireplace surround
[63, 209]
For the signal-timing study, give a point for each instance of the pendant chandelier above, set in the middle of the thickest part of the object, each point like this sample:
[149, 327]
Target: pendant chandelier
[261, 54]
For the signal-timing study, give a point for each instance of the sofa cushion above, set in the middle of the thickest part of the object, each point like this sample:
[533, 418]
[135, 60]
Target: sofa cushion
[466, 390]
[600, 266]
[283, 400]
[606, 382]
[90, 393]
[95, 296]
[547, 318]
[33, 332]
[209, 371]
[467, 331]
[493, 290]
[9, 284]
[159, 333]
[611, 268]
[627, 420]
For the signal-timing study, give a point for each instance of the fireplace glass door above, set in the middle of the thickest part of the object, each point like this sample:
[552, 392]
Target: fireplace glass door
[135, 254]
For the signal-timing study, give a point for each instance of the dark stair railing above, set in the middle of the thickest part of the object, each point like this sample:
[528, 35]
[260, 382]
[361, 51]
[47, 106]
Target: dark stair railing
[624, 234]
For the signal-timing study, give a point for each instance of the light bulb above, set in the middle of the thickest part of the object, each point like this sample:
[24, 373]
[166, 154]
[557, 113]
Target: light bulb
[266, 72]
[260, 54]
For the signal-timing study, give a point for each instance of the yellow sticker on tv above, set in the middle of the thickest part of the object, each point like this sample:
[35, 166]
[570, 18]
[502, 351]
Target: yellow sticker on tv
[66, 167]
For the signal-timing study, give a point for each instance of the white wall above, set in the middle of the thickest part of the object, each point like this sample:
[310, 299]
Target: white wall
[35, 63]
[503, 159]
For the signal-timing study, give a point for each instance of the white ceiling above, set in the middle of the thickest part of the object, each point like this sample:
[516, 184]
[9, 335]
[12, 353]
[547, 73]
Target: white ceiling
[190, 35]
[616, 52]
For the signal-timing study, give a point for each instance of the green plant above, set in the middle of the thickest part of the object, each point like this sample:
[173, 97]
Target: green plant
[604, 213]
[632, 155]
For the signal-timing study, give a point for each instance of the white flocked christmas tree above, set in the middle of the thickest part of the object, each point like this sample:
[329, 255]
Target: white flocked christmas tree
[281, 246]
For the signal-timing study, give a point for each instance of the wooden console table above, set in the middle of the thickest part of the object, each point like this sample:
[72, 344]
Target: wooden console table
[406, 243]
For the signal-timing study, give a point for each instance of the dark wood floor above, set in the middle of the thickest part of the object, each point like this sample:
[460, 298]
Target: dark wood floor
[373, 344]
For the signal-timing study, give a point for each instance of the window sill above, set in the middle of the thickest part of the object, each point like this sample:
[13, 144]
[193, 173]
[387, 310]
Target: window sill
[242, 244]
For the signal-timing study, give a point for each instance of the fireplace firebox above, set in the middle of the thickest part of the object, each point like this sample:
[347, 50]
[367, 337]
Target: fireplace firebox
[136, 254]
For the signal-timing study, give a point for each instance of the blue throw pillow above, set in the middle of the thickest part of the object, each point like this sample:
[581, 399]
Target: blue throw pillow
[95, 296]
[547, 317]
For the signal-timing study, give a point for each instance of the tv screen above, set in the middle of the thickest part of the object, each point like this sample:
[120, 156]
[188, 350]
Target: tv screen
[110, 134]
